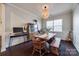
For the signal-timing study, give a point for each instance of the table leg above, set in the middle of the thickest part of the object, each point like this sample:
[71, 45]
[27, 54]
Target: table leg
[10, 46]
[9, 42]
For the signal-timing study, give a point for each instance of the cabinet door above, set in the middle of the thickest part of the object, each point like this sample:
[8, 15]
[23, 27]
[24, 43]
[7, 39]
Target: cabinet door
[76, 28]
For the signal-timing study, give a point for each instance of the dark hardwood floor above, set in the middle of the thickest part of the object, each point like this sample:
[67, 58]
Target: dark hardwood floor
[25, 49]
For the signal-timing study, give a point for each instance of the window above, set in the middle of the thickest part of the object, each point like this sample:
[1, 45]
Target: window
[49, 24]
[54, 25]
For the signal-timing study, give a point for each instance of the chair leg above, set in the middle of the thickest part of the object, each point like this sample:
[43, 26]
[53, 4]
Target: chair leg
[40, 52]
[33, 51]
[46, 50]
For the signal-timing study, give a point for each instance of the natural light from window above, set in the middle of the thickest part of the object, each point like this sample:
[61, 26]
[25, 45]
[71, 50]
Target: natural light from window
[54, 25]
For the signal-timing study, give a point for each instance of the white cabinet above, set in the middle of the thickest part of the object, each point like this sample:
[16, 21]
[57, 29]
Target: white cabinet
[76, 28]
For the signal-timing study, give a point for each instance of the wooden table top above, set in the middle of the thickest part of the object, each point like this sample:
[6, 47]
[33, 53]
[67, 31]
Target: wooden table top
[46, 36]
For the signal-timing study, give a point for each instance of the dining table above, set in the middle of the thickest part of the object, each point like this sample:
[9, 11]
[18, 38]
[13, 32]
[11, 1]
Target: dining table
[46, 36]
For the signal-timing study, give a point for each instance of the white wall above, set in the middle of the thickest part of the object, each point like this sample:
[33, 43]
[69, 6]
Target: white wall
[15, 17]
[0, 19]
[0, 25]
[67, 23]
[3, 28]
[76, 27]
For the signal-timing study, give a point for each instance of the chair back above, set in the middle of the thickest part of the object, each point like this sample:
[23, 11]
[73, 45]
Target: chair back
[38, 43]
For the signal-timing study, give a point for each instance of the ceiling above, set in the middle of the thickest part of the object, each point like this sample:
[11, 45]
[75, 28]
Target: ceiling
[54, 8]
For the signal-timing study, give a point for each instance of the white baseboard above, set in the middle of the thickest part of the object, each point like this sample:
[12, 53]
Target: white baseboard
[3, 49]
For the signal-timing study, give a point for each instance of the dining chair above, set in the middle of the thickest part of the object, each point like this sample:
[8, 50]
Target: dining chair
[38, 46]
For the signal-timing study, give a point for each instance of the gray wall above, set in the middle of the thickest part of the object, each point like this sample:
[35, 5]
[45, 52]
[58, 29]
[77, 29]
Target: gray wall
[76, 27]
[67, 23]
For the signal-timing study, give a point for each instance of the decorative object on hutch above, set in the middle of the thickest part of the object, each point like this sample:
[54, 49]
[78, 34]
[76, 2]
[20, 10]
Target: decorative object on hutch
[29, 28]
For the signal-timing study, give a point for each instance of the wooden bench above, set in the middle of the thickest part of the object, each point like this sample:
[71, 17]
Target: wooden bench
[55, 46]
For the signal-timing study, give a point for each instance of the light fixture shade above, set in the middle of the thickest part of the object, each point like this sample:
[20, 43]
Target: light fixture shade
[45, 13]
